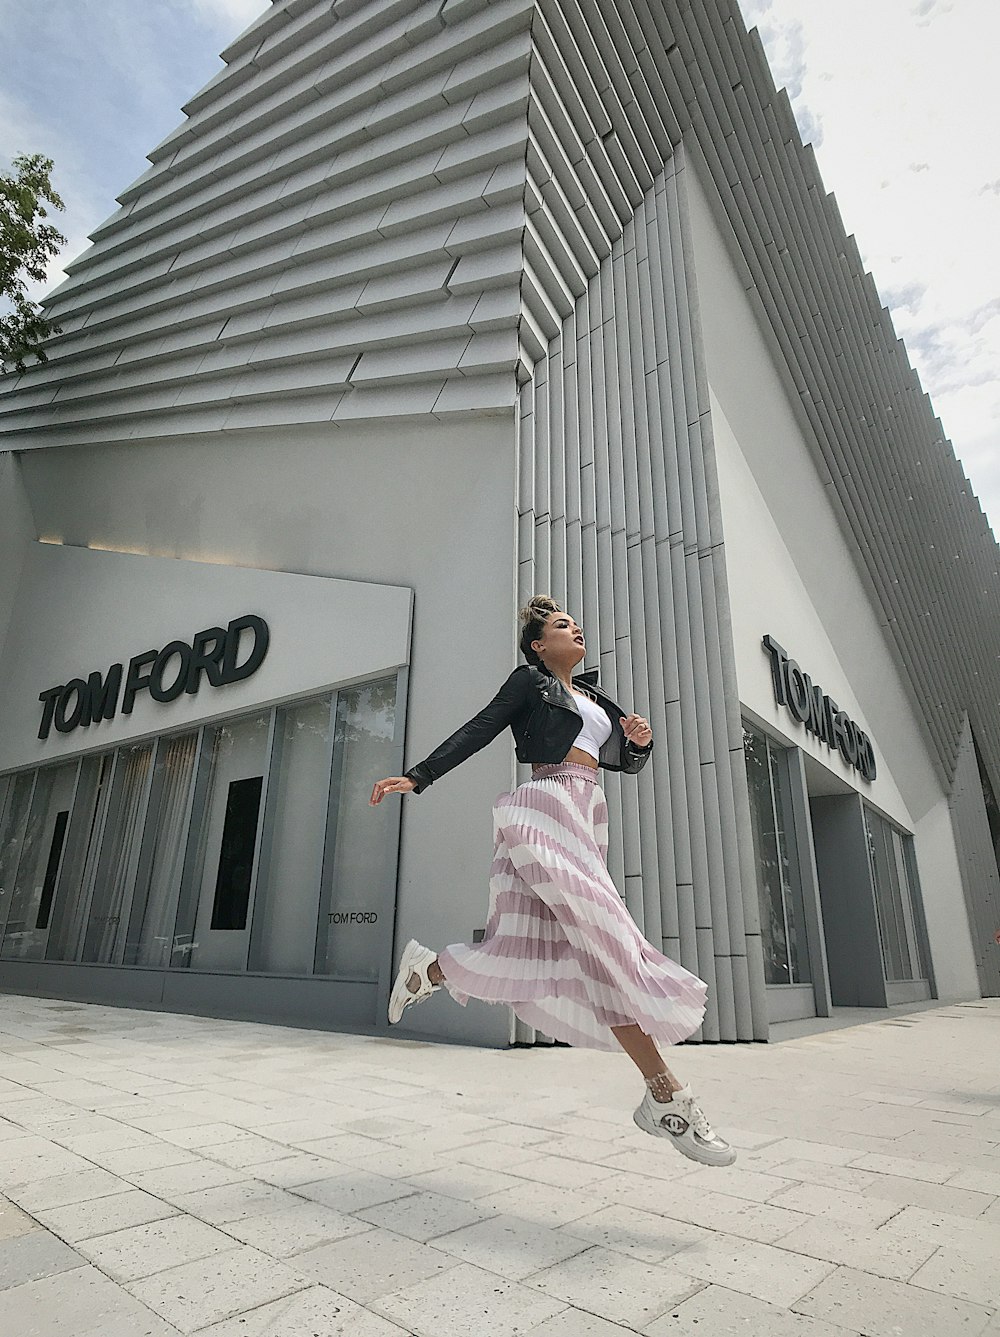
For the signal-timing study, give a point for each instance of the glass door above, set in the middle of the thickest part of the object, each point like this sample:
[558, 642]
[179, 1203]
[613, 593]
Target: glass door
[903, 953]
[782, 915]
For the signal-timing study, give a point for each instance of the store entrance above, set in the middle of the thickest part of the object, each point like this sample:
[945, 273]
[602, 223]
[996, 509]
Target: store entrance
[873, 932]
[841, 922]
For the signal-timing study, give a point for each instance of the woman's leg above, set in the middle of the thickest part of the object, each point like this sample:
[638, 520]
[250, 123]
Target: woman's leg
[684, 1121]
[643, 1052]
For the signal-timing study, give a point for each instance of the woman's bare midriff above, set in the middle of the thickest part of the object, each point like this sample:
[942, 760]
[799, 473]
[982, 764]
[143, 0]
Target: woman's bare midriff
[576, 755]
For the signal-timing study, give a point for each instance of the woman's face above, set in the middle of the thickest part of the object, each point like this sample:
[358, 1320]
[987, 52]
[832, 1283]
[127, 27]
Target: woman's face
[561, 641]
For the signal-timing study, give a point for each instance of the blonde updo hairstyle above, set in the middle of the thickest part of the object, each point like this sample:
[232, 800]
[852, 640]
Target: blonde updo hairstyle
[534, 615]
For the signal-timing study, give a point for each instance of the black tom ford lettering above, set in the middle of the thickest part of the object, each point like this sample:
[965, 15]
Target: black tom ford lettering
[164, 674]
[818, 712]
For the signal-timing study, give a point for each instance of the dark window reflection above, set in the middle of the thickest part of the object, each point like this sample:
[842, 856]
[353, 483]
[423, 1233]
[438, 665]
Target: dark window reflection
[51, 869]
[239, 837]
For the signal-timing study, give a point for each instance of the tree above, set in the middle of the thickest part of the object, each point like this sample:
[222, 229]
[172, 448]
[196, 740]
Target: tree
[27, 243]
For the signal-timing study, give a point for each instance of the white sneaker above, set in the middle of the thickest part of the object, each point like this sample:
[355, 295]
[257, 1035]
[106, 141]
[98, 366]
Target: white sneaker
[684, 1122]
[414, 961]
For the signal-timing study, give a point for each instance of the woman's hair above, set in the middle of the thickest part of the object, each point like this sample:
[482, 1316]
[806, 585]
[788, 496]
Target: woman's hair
[535, 613]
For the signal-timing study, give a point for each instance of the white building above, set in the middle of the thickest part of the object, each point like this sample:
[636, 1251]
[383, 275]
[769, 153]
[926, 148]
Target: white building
[423, 308]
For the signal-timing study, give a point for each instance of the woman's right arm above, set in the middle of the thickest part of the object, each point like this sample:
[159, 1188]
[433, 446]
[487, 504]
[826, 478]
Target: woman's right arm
[476, 733]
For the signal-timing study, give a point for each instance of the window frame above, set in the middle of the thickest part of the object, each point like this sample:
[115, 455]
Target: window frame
[94, 852]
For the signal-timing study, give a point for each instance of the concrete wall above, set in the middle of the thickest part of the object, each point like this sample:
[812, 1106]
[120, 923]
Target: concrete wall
[949, 931]
[429, 507]
[797, 593]
[793, 575]
[16, 533]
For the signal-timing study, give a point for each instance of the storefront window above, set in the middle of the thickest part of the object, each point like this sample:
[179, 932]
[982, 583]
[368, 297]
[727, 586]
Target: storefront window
[284, 936]
[781, 913]
[150, 940]
[360, 879]
[41, 850]
[14, 819]
[83, 841]
[902, 952]
[118, 862]
[212, 931]
[245, 845]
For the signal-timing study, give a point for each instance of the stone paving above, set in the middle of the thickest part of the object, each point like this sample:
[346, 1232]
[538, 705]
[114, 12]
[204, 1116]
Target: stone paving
[163, 1174]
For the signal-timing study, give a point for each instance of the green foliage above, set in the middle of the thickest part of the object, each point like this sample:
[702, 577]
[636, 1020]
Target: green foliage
[27, 243]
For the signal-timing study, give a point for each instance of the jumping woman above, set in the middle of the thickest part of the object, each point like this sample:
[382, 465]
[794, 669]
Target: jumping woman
[560, 948]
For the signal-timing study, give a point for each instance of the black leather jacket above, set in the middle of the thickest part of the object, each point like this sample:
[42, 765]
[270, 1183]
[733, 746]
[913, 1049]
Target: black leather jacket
[544, 719]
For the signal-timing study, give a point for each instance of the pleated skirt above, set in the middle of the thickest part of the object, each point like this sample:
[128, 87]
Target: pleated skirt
[560, 948]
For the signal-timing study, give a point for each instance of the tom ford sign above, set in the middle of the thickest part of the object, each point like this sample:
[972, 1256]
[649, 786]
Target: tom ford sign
[818, 712]
[212, 656]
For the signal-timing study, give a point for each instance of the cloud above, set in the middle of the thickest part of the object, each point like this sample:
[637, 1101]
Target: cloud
[810, 125]
[229, 16]
[953, 353]
[982, 316]
[754, 11]
[905, 298]
[991, 188]
[786, 54]
[785, 44]
[96, 84]
[24, 131]
[926, 11]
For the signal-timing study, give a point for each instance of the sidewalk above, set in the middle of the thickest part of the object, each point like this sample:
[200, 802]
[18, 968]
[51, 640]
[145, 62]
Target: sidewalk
[163, 1174]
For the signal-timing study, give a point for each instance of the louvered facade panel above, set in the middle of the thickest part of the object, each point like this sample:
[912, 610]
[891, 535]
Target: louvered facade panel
[299, 233]
[619, 516]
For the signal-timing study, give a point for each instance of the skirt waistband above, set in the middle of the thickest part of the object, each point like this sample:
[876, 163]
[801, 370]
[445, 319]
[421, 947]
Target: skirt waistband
[573, 768]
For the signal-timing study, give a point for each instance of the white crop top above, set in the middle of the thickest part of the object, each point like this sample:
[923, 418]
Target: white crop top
[596, 726]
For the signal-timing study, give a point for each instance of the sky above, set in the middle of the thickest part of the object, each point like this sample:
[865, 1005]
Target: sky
[899, 98]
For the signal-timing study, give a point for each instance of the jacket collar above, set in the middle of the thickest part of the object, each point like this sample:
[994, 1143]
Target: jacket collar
[588, 677]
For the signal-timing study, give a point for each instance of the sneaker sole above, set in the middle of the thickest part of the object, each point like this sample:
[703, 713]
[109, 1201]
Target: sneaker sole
[400, 997]
[718, 1159]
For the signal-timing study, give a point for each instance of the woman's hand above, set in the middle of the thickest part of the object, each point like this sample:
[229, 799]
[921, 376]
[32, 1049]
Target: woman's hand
[396, 784]
[637, 730]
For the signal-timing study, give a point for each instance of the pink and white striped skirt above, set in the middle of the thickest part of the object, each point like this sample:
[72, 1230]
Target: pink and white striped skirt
[560, 948]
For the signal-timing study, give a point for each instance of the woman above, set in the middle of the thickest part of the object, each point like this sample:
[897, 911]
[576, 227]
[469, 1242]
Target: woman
[560, 948]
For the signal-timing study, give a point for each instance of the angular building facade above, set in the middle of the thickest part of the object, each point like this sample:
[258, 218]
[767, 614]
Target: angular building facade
[426, 307]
